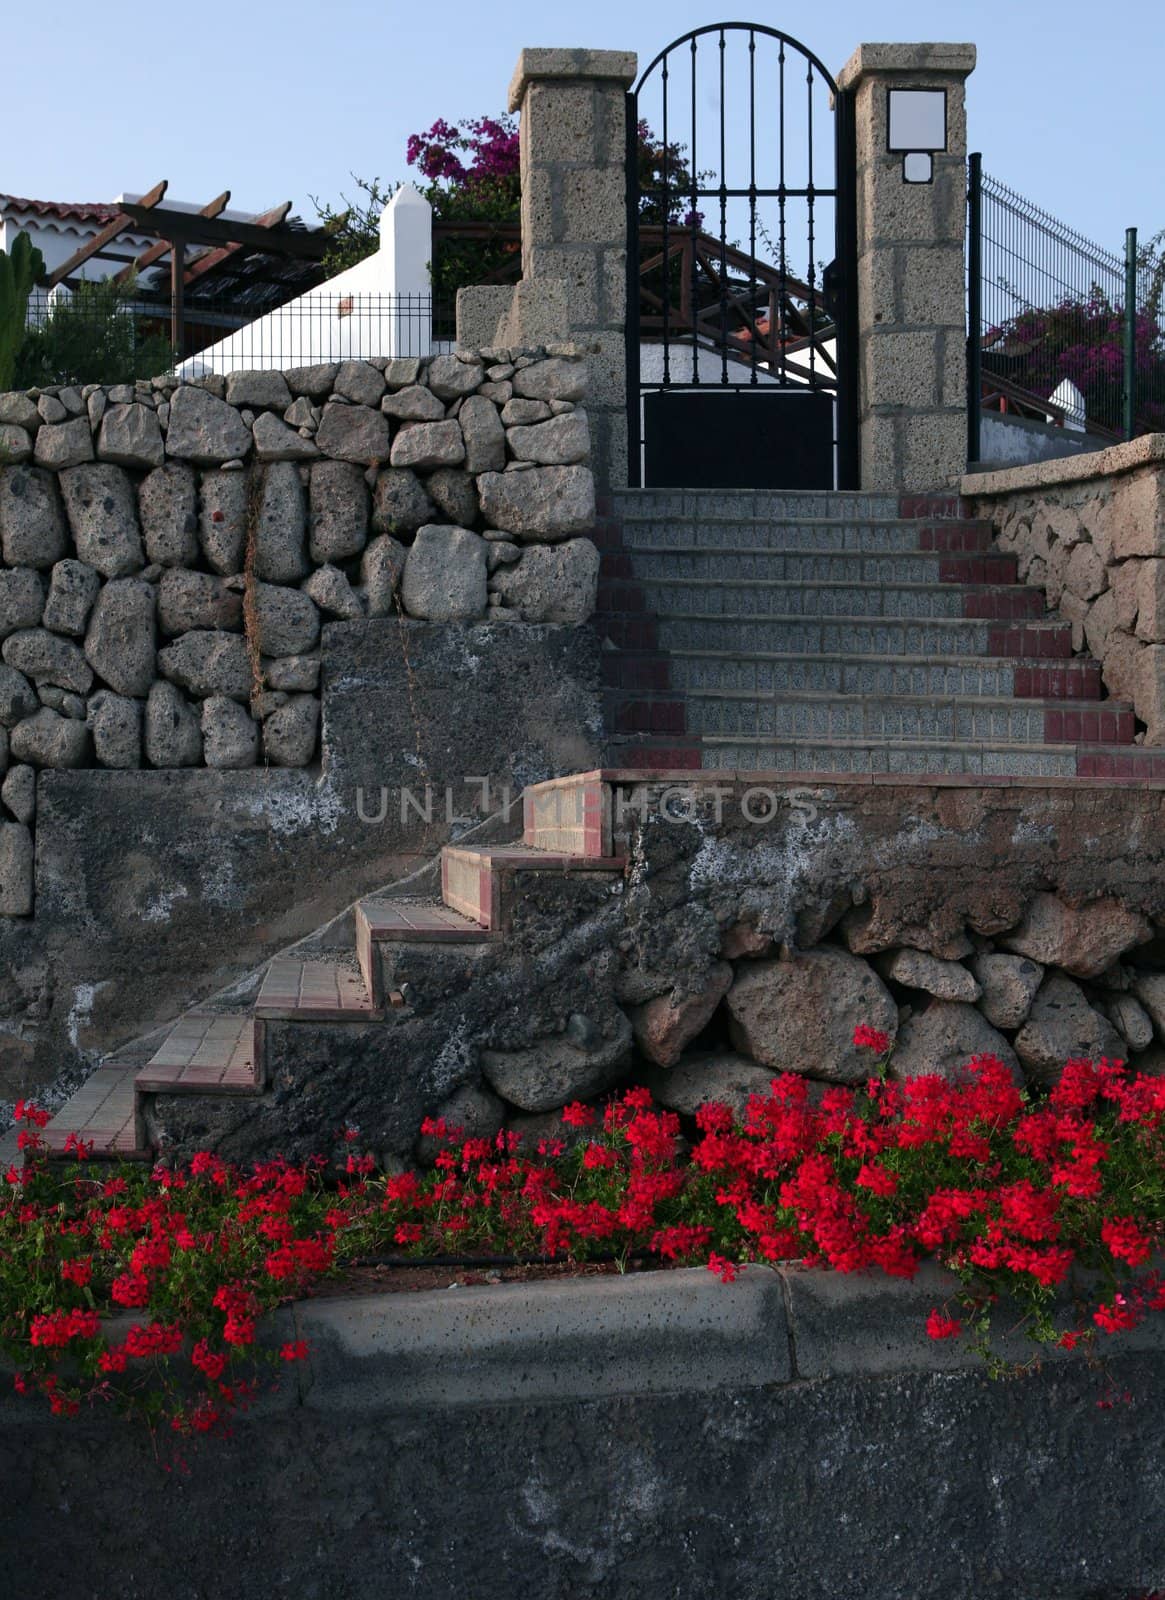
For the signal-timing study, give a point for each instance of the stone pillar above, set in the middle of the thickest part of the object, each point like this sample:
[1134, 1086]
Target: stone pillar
[574, 231]
[911, 226]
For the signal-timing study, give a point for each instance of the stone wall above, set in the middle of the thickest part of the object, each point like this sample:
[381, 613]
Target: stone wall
[155, 891]
[171, 551]
[756, 925]
[1090, 532]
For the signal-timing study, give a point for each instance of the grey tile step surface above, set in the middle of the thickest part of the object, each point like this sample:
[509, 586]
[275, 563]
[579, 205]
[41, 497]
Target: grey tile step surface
[737, 564]
[763, 534]
[842, 635]
[754, 503]
[829, 717]
[762, 598]
[889, 756]
[843, 674]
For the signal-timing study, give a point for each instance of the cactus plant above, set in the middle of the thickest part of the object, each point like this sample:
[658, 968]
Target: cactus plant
[20, 268]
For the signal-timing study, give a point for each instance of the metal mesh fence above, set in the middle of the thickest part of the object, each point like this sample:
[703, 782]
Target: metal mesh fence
[1051, 332]
[96, 335]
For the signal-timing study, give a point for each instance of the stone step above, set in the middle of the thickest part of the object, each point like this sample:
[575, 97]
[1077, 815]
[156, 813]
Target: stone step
[780, 598]
[104, 1115]
[750, 635]
[808, 757]
[570, 814]
[736, 565]
[481, 883]
[761, 534]
[382, 921]
[206, 1054]
[773, 507]
[314, 991]
[968, 676]
[923, 718]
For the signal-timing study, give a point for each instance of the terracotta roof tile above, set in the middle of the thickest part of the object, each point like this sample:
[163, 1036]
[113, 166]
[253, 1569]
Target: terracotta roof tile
[75, 210]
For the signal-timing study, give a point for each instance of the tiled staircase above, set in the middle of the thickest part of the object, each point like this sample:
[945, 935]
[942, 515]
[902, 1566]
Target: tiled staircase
[805, 634]
[841, 633]
[213, 1052]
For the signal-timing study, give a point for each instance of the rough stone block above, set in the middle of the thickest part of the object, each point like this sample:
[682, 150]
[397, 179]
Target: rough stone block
[18, 698]
[333, 594]
[275, 441]
[400, 502]
[287, 621]
[173, 735]
[315, 382]
[230, 736]
[289, 734]
[485, 442]
[222, 522]
[799, 1015]
[359, 382]
[33, 531]
[46, 658]
[64, 444]
[102, 510]
[204, 429]
[18, 792]
[15, 444]
[205, 663]
[119, 644]
[445, 575]
[541, 503]
[46, 739]
[354, 433]
[450, 378]
[338, 502]
[22, 599]
[944, 1039]
[562, 441]
[168, 511]
[131, 436]
[554, 379]
[258, 390]
[188, 600]
[281, 532]
[424, 445]
[115, 721]
[549, 583]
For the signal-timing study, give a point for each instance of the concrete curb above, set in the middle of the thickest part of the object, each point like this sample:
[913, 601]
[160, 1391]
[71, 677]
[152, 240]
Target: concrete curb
[677, 1332]
[674, 1331]
[665, 1332]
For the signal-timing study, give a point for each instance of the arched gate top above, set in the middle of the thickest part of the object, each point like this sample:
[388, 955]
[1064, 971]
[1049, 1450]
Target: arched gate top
[740, 27]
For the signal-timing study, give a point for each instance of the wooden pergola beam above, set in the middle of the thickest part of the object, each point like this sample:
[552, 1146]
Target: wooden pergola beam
[213, 258]
[162, 248]
[94, 246]
[184, 226]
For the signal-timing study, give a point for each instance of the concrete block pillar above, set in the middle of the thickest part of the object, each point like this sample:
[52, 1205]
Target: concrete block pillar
[910, 118]
[574, 225]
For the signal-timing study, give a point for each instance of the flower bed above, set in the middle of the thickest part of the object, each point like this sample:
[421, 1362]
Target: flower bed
[1010, 1193]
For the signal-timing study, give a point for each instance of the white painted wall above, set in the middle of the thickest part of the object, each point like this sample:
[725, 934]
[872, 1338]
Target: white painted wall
[358, 314]
[710, 364]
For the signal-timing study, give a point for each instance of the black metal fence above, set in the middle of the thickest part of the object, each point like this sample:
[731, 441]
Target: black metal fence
[1060, 329]
[98, 335]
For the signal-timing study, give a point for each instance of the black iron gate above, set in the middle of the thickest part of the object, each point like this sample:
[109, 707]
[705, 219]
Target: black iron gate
[741, 343]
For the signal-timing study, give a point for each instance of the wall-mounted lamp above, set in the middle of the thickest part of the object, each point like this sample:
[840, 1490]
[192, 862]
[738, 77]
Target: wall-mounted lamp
[917, 127]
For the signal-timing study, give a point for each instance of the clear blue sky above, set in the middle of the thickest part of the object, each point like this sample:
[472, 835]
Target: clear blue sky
[282, 100]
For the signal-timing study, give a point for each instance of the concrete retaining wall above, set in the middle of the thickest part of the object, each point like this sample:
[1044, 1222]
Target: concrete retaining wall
[662, 1436]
